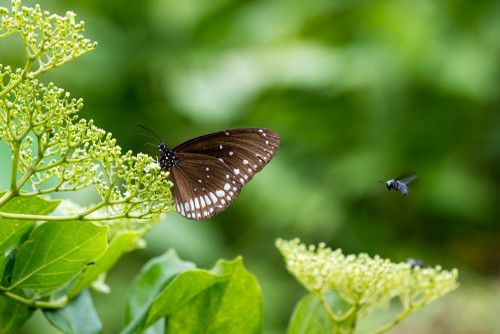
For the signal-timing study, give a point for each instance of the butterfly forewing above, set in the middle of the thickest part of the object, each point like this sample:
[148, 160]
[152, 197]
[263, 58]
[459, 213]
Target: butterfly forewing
[213, 168]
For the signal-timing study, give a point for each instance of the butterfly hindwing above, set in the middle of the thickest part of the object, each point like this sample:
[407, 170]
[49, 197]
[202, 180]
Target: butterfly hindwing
[203, 186]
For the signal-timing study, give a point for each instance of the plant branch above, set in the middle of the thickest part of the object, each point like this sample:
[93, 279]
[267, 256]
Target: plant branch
[396, 321]
[56, 304]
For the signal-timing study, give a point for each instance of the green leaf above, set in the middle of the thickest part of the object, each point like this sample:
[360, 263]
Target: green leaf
[119, 245]
[12, 230]
[56, 251]
[231, 306]
[78, 317]
[13, 314]
[152, 279]
[310, 317]
[180, 291]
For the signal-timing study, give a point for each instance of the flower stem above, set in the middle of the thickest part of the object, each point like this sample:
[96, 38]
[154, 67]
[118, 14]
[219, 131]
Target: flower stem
[396, 321]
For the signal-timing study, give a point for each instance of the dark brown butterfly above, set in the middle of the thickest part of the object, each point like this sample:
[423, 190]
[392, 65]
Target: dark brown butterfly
[208, 172]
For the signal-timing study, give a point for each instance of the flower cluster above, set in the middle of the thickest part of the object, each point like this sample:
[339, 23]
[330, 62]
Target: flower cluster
[52, 149]
[50, 40]
[363, 281]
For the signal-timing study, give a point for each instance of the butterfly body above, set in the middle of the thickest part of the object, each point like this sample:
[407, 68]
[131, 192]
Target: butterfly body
[208, 172]
[399, 184]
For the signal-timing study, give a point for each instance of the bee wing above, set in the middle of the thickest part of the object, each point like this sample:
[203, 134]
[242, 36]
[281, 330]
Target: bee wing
[403, 188]
[407, 179]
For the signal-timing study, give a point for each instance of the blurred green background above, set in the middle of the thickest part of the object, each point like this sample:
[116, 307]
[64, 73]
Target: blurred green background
[359, 91]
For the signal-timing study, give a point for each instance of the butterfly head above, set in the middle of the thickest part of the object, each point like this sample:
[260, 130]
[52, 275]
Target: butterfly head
[168, 157]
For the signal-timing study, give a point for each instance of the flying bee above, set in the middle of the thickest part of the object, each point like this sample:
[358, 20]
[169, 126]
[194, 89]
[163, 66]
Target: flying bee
[399, 184]
[415, 262]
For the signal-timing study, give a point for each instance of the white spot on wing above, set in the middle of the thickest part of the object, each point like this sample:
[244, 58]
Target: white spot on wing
[236, 171]
[245, 162]
[222, 201]
[186, 205]
[234, 188]
[220, 147]
[196, 203]
[220, 193]
[192, 204]
[228, 198]
[227, 176]
[230, 152]
[227, 186]
[189, 215]
[220, 159]
[249, 170]
[207, 200]
[212, 196]
[207, 169]
[211, 210]
[202, 202]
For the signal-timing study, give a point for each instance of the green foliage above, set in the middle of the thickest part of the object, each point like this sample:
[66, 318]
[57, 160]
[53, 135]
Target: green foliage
[78, 317]
[55, 252]
[13, 314]
[12, 230]
[362, 282]
[226, 299]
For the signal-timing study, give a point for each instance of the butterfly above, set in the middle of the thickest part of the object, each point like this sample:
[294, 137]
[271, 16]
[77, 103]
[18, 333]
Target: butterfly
[209, 171]
[400, 184]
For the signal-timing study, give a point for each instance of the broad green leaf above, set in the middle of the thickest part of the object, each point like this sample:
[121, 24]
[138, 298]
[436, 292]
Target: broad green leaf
[120, 244]
[231, 306]
[13, 314]
[180, 291]
[12, 230]
[78, 317]
[56, 251]
[310, 317]
[152, 279]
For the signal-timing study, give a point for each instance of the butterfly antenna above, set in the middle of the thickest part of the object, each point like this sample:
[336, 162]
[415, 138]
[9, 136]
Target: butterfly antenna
[145, 128]
[151, 145]
[144, 135]
[381, 181]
